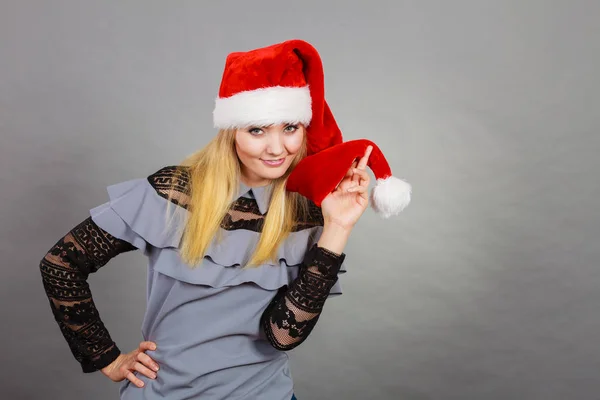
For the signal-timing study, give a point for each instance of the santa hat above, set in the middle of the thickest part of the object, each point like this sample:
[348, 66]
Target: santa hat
[284, 83]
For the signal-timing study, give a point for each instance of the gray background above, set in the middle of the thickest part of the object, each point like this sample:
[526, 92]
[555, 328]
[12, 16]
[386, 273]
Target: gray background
[486, 287]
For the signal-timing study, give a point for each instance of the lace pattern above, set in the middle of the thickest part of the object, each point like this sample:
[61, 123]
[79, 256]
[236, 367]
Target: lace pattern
[295, 310]
[287, 321]
[65, 269]
[173, 183]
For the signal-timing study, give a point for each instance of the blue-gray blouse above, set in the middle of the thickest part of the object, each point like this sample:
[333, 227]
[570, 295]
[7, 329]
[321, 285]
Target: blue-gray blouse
[221, 330]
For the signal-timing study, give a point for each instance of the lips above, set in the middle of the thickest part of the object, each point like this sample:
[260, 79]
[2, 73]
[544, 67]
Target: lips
[273, 163]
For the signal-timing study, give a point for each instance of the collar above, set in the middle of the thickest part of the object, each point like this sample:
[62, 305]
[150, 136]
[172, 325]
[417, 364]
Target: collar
[262, 195]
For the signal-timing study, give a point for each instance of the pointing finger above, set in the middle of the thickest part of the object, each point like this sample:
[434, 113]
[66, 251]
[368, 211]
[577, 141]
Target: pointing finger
[364, 160]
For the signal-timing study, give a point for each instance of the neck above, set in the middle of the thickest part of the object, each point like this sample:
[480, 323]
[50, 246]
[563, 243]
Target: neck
[254, 181]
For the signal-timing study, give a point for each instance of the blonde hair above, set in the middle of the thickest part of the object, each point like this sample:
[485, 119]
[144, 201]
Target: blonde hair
[214, 176]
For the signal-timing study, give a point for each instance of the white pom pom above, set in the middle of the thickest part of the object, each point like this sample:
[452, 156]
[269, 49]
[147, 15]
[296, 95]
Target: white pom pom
[390, 196]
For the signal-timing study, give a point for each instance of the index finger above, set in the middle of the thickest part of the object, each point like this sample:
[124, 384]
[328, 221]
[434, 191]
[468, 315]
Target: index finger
[363, 161]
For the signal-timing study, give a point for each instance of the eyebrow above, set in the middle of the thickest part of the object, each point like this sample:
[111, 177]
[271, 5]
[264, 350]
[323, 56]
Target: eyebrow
[271, 125]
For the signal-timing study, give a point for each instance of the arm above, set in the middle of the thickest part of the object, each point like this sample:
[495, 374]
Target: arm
[293, 313]
[295, 310]
[65, 269]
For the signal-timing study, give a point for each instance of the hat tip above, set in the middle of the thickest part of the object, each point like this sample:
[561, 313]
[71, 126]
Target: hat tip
[390, 196]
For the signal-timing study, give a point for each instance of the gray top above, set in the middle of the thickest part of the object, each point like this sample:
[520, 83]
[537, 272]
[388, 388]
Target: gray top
[205, 321]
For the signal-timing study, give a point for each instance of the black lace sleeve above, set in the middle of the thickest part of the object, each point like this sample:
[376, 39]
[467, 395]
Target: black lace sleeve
[295, 310]
[64, 270]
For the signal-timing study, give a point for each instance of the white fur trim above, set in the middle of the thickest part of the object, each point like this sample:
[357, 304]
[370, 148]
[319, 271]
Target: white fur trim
[261, 107]
[390, 196]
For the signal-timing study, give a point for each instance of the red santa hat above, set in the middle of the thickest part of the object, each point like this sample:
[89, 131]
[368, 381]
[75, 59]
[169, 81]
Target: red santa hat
[284, 83]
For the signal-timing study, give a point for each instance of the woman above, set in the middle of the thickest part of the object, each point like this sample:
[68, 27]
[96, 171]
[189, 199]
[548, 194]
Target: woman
[244, 239]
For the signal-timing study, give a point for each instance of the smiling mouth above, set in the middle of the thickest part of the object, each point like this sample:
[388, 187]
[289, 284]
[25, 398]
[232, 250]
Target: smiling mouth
[274, 163]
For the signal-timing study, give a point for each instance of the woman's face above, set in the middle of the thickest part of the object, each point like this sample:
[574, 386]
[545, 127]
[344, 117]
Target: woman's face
[266, 153]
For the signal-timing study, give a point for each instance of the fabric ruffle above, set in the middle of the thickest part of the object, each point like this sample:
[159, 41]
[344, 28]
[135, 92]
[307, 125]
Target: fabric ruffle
[136, 213]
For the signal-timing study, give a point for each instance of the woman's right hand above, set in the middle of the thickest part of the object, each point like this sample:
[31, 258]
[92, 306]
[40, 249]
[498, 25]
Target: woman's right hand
[124, 365]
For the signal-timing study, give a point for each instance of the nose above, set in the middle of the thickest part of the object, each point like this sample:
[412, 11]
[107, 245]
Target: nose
[275, 146]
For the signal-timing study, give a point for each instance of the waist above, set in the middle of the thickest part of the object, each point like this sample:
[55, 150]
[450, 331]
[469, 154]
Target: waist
[214, 378]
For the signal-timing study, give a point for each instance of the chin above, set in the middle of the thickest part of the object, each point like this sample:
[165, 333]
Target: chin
[273, 174]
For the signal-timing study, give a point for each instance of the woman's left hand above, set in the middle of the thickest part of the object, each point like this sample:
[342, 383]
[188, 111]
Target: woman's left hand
[350, 199]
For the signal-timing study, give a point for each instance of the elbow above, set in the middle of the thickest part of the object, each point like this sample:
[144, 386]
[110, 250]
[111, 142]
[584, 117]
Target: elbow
[43, 265]
[46, 266]
[284, 346]
[278, 344]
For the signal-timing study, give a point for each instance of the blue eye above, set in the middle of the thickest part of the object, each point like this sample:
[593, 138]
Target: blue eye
[255, 131]
[291, 128]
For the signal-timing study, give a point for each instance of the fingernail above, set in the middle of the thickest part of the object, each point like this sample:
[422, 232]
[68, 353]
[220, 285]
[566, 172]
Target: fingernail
[153, 376]
[155, 367]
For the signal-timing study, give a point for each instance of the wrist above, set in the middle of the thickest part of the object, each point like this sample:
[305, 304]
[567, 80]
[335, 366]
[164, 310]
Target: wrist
[324, 262]
[334, 236]
[336, 224]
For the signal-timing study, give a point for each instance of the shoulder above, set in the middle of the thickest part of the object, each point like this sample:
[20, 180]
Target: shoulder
[172, 183]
